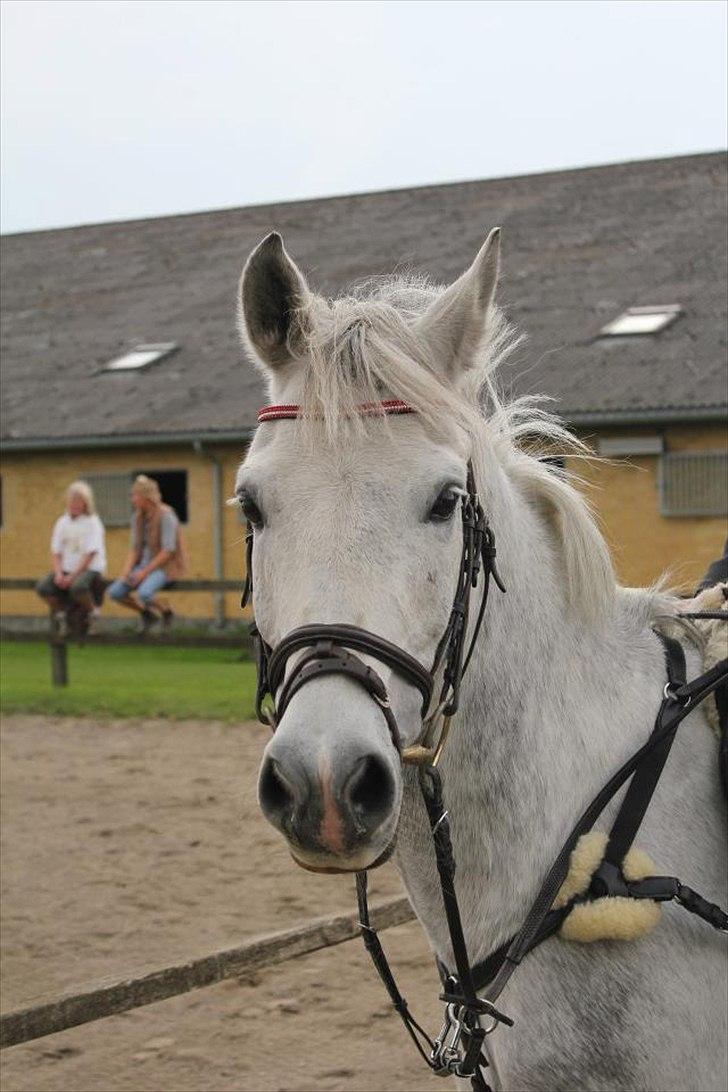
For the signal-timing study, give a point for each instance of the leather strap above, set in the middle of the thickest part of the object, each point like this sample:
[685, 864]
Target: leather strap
[458, 991]
[351, 637]
[373, 946]
[328, 658]
[644, 782]
[494, 972]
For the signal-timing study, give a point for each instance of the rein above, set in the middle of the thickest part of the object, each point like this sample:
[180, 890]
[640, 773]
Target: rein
[332, 649]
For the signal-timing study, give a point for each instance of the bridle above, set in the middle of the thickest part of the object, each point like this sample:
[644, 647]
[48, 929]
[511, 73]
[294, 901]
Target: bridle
[333, 649]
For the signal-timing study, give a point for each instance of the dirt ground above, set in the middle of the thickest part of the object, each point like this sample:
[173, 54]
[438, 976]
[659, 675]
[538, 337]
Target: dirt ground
[128, 845]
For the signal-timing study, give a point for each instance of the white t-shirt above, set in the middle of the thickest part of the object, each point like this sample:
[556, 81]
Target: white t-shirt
[74, 538]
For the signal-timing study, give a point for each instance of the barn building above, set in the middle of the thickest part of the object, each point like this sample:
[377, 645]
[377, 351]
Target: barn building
[120, 352]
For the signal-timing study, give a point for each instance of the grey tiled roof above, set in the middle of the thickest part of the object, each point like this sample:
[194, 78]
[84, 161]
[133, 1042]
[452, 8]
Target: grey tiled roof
[579, 247]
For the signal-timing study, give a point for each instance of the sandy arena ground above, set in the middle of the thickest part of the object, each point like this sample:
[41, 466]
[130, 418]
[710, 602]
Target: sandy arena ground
[128, 845]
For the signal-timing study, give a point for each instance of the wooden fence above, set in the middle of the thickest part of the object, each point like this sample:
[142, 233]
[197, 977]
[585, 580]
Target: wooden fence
[96, 1002]
[58, 643]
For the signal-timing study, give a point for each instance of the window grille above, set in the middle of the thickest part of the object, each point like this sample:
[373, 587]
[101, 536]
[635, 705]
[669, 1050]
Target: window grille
[694, 484]
[112, 497]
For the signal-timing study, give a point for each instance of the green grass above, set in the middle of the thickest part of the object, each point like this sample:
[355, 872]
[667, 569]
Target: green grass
[128, 681]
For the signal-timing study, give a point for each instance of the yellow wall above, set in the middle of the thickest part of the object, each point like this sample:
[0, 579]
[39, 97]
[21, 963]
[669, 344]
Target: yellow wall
[623, 492]
[33, 486]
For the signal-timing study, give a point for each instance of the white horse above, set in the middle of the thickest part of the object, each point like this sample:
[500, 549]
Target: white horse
[354, 522]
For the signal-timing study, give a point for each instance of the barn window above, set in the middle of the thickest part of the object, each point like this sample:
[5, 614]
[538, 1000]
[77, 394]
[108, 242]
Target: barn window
[694, 483]
[112, 497]
[637, 321]
[141, 356]
[173, 487]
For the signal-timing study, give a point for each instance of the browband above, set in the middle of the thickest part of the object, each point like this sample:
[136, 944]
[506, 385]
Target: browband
[289, 411]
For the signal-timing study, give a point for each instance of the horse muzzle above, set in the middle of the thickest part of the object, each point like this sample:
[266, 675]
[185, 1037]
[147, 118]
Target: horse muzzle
[336, 807]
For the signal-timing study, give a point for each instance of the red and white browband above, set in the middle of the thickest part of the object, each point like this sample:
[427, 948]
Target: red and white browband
[367, 409]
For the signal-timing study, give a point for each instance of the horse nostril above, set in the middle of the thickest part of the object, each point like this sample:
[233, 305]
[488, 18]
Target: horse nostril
[369, 791]
[274, 793]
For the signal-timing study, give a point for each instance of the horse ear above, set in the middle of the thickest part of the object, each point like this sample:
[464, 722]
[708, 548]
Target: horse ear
[455, 323]
[272, 293]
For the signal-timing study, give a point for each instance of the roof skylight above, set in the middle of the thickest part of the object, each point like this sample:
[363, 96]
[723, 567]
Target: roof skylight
[141, 356]
[636, 321]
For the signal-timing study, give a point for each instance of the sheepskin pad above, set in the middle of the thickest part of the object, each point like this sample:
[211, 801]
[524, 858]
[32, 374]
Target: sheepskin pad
[613, 917]
[616, 917]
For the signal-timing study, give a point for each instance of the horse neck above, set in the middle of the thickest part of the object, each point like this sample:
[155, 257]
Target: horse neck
[551, 705]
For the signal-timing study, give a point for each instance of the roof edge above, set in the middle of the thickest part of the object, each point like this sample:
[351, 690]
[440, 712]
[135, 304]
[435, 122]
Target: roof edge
[667, 416]
[131, 221]
[578, 419]
[129, 439]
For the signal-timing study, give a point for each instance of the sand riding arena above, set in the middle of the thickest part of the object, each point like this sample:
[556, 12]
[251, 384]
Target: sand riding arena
[132, 845]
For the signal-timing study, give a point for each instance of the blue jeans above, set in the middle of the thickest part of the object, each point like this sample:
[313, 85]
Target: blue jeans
[148, 588]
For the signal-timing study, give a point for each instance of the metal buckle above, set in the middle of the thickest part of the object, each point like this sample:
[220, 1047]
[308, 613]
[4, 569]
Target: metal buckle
[493, 1025]
[669, 695]
[420, 755]
[446, 1056]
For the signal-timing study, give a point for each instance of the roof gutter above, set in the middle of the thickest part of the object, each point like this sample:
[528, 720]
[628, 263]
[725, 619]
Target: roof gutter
[242, 436]
[670, 416]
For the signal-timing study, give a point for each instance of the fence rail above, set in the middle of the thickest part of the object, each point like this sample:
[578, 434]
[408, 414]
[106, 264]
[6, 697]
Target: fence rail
[237, 639]
[91, 1004]
[58, 643]
[28, 583]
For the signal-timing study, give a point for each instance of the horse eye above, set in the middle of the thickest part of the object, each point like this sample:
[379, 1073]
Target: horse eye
[251, 511]
[445, 505]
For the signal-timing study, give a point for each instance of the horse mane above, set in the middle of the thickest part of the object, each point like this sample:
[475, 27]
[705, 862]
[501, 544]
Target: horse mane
[365, 346]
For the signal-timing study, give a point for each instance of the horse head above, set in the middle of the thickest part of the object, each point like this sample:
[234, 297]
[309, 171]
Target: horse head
[354, 522]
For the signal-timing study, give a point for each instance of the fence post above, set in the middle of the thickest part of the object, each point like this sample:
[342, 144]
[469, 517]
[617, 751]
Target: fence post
[59, 655]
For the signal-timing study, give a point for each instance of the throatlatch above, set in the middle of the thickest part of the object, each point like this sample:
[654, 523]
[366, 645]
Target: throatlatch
[332, 649]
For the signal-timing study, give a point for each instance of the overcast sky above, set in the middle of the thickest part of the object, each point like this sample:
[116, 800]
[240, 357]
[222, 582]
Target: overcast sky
[114, 109]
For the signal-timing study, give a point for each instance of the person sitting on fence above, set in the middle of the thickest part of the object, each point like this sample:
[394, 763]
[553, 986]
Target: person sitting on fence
[156, 557]
[76, 585]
